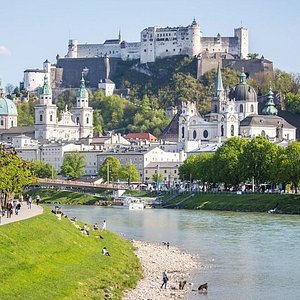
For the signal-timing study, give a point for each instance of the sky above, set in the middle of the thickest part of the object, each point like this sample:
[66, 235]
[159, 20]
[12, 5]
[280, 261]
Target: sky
[32, 31]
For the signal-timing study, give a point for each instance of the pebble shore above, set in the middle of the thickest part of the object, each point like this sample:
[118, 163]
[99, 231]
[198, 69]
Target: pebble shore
[156, 258]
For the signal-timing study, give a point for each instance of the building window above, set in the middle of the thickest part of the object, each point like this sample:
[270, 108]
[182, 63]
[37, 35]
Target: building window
[252, 108]
[87, 120]
[205, 134]
[12, 123]
[222, 130]
[182, 132]
[263, 133]
[232, 130]
[77, 120]
[2, 123]
[194, 134]
[216, 109]
[51, 118]
[241, 108]
[41, 118]
[145, 50]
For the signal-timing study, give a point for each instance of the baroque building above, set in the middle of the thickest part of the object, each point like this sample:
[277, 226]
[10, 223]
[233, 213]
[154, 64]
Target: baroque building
[73, 125]
[234, 112]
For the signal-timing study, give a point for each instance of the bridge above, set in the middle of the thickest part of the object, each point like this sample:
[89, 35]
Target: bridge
[80, 185]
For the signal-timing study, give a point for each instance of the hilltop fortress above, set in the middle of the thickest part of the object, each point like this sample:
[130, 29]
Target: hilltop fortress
[159, 42]
[99, 62]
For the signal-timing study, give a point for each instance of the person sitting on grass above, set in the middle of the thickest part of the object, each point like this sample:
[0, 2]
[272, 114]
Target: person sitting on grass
[105, 252]
[95, 226]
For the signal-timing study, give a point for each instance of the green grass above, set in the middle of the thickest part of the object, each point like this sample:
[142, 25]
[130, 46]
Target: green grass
[289, 204]
[46, 258]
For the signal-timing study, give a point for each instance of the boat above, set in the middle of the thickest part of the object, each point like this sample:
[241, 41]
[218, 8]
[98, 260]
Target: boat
[135, 204]
[130, 203]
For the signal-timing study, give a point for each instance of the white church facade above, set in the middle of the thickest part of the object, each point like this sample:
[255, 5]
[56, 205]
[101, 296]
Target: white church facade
[233, 113]
[73, 125]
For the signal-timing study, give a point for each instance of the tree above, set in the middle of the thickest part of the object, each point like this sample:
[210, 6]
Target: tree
[26, 112]
[129, 173]
[257, 159]
[228, 161]
[253, 55]
[42, 169]
[15, 173]
[73, 165]
[157, 178]
[110, 169]
[292, 164]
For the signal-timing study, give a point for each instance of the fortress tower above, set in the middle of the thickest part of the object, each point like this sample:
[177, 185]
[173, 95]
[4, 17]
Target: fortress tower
[72, 49]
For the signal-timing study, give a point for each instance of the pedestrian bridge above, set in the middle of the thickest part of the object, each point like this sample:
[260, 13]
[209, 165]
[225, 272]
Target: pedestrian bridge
[79, 185]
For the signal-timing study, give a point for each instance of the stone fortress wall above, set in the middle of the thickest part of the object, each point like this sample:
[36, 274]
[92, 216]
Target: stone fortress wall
[159, 42]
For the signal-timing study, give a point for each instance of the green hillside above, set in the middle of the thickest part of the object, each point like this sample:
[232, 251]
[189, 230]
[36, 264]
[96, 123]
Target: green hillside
[46, 258]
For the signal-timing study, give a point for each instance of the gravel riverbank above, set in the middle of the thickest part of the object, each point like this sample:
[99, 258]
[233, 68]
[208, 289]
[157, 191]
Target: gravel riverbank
[156, 258]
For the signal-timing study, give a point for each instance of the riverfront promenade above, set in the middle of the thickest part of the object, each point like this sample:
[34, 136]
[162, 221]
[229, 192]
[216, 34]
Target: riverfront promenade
[24, 213]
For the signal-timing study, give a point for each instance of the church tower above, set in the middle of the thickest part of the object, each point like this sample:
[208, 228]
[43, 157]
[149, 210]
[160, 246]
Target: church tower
[82, 113]
[219, 98]
[45, 114]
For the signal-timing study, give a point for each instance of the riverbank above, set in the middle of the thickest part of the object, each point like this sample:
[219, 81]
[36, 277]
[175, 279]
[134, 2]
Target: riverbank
[155, 259]
[260, 202]
[46, 257]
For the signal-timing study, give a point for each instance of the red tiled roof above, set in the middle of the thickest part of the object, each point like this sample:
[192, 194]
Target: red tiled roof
[141, 136]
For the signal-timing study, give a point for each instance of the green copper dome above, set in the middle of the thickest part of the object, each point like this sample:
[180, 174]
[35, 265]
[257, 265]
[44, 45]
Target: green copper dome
[7, 107]
[46, 88]
[82, 91]
[270, 108]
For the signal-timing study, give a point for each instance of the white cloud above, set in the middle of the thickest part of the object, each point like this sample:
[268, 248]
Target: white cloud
[4, 51]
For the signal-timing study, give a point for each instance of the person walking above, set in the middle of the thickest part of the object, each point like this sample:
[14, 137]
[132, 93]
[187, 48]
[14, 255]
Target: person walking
[38, 198]
[165, 280]
[104, 226]
[29, 202]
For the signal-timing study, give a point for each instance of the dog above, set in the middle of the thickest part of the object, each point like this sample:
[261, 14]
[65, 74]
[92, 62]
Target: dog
[203, 288]
[182, 283]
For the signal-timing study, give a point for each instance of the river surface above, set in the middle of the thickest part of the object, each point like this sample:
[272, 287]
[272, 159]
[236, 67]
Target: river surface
[242, 255]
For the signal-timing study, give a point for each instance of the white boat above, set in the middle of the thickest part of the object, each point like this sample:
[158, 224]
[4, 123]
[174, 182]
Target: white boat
[135, 204]
[130, 203]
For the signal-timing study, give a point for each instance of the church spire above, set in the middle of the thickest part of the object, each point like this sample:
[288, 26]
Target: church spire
[119, 35]
[46, 88]
[219, 82]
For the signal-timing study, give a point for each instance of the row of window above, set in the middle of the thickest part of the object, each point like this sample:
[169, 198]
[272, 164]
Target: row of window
[2, 123]
[51, 119]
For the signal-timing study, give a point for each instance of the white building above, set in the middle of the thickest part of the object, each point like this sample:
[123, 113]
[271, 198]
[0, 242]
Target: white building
[72, 126]
[158, 42]
[107, 86]
[234, 113]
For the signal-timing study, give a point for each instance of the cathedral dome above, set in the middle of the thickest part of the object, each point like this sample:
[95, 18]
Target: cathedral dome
[7, 107]
[243, 91]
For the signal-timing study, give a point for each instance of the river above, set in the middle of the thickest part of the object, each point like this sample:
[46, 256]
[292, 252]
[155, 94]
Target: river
[242, 255]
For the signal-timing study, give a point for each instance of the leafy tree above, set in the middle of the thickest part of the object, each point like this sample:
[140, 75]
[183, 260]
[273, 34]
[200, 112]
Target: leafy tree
[253, 55]
[110, 169]
[73, 165]
[291, 164]
[157, 178]
[98, 121]
[292, 102]
[228, 161]
[42, 169]
[258, 157]
[26, 112]
[129, 173]
[15, 173]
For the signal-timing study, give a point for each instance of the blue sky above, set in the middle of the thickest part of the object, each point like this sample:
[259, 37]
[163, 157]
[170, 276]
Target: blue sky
[32, 31]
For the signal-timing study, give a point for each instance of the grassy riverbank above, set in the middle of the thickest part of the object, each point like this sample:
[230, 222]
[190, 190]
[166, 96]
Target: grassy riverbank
[46, 258]
[287, 203]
